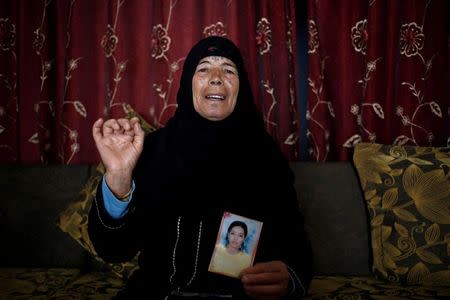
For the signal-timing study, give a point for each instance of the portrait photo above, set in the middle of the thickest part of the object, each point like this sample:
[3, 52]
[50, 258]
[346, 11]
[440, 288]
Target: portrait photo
[236, 245]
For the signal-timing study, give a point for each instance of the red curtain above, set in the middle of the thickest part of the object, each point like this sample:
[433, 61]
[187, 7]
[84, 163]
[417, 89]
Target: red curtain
[65, 63]
[379, 72]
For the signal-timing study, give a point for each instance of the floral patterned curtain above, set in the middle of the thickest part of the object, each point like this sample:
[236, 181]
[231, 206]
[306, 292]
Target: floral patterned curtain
[65, 63]
[378, 72]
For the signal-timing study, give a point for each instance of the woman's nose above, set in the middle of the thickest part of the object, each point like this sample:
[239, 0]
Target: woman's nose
[216, 78]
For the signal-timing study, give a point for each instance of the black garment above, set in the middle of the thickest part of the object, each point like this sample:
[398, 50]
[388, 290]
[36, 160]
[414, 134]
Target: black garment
[191, 171]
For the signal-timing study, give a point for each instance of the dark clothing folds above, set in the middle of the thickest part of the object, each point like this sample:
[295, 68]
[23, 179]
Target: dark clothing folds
[189, 173]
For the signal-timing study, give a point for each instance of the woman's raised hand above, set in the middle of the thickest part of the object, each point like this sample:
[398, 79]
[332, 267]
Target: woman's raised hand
[120, 143]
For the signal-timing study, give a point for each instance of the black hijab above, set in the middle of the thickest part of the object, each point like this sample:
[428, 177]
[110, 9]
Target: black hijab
[245, 108]
[236, 149]
[202, 139]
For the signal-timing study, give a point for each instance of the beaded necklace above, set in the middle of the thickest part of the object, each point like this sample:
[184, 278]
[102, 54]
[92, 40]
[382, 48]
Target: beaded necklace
[174, 254]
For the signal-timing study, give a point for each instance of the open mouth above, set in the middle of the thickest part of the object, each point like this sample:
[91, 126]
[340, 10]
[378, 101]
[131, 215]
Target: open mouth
[215, 97]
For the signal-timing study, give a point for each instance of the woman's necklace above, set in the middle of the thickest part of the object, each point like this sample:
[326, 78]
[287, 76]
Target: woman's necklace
[174, 254]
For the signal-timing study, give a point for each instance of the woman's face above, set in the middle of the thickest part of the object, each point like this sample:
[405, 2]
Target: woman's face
[236, 237]
[215, 87]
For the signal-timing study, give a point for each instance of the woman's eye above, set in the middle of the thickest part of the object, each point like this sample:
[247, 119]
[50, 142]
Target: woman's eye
[228, 71]
[202, 70]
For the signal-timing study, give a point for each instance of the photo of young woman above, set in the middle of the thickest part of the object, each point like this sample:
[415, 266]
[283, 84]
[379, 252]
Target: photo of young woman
[233, 252]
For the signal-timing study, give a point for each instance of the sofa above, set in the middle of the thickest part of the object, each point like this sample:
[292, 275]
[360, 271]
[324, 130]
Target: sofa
[37, 259]
[41, 258]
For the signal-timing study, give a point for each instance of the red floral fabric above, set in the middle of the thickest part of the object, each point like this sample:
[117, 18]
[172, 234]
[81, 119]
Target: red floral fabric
[378, 72]
[74, 61]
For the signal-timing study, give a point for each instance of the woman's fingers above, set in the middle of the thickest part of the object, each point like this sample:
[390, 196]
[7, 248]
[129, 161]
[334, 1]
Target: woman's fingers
[130, 129]
[118, 126]
[110, 126]
[139, 136]
[124, 124]
[97, 130]
[266, 279]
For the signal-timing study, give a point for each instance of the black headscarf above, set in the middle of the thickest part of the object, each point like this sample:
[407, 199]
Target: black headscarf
[245, 107]
[195, 157]
[201, 140]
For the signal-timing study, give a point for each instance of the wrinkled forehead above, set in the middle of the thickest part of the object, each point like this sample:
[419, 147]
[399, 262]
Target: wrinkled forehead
[217, 60]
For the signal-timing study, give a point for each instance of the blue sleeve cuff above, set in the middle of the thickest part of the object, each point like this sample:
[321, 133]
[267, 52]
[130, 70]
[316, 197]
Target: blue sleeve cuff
[115, 207]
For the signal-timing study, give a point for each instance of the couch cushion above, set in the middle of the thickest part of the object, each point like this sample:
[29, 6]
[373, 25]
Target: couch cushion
[407, 191]
[57, 283]
[74, 221]
[31, 198]
[26, 283]
[335, 217]
[92, 285]
[367, 287]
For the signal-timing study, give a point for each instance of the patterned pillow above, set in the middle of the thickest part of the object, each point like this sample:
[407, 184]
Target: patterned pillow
[407, 192]
[73, 220]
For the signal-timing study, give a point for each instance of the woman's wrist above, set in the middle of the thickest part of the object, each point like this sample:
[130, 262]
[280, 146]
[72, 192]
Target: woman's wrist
[126, 196]
[119, 184]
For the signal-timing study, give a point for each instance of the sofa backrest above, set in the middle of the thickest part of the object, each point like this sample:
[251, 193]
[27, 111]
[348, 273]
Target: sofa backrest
[31, 198]
[336, 219]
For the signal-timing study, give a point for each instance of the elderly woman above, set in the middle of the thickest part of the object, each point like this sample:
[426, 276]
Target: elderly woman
[164, 195]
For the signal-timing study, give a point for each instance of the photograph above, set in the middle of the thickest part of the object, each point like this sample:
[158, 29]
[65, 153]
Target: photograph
[236, 245]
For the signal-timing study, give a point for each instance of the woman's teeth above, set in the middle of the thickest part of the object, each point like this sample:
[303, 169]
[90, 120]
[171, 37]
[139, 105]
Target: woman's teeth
[215, 97]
